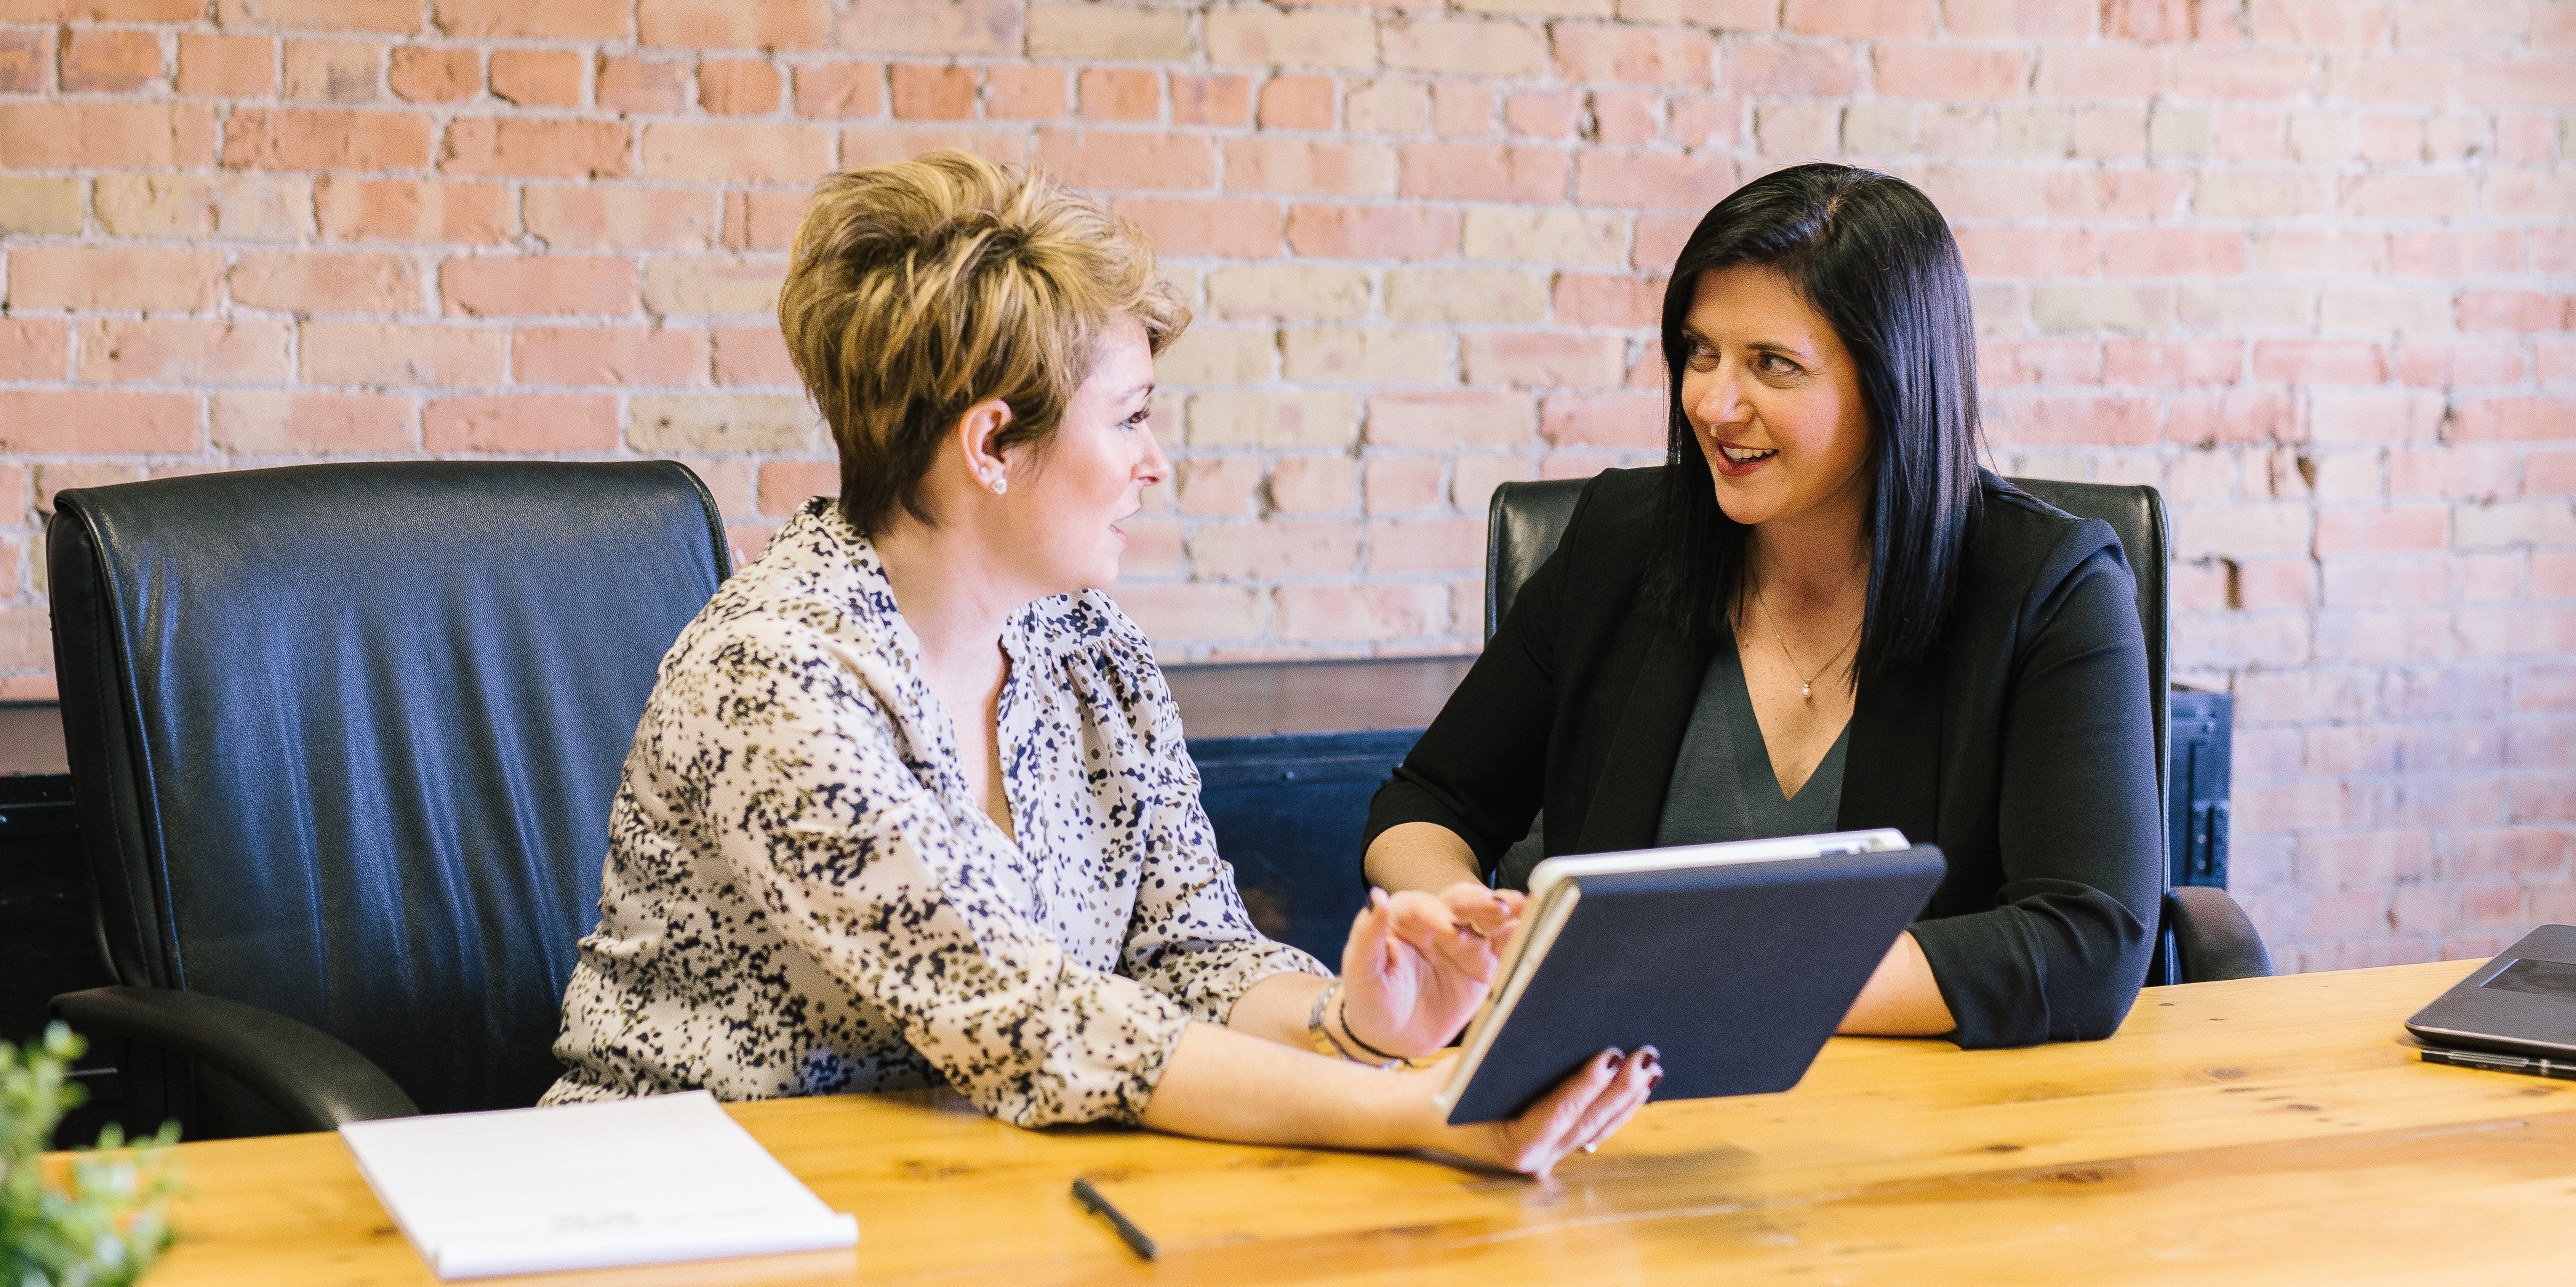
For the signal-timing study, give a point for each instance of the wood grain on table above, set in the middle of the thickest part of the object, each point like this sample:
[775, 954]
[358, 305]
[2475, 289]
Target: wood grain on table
[2264, 1130]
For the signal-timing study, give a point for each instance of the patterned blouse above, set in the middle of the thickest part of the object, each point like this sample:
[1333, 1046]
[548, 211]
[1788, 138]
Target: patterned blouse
[801, 896]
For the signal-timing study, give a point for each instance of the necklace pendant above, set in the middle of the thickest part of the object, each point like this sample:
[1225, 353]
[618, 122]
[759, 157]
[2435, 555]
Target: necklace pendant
[1807, 690]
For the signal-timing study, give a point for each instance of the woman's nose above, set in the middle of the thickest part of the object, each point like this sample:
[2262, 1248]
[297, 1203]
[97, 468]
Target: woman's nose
[1721, 400]
[1156, 466]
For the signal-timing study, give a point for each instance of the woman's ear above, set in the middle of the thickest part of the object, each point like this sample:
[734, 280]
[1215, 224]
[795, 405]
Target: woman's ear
[978, 443]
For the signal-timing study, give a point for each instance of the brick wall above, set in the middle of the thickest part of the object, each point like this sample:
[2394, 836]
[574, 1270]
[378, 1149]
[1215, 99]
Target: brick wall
[2305, 264]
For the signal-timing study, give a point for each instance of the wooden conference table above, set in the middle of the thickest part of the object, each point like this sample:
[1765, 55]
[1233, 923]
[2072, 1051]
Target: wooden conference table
[2265, 1130]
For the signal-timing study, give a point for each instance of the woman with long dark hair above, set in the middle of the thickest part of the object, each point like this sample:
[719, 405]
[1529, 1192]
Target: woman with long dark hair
[1822, 614]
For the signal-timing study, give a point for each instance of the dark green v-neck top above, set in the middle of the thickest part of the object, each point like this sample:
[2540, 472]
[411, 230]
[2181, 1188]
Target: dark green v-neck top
[1723, 785]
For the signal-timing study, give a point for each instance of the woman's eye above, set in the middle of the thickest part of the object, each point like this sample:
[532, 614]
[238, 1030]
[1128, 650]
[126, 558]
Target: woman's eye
[1774, 364]
[1137, 421]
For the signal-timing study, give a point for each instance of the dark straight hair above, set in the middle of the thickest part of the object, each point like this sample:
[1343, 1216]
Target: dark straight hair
[1870, 253]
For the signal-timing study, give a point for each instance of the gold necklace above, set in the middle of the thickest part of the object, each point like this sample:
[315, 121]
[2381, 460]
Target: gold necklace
[1806, 686]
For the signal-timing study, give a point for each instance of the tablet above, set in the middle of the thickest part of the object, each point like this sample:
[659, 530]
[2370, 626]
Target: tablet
[1736, 961]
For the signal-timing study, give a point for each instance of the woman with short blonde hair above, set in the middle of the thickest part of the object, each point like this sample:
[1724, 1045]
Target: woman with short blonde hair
[910, 802]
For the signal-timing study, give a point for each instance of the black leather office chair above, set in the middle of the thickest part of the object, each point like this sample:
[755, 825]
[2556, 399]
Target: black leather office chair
[343, 740]
[2203, 934]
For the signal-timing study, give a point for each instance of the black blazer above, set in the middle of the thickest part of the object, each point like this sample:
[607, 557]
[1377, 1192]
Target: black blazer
[2022, 746]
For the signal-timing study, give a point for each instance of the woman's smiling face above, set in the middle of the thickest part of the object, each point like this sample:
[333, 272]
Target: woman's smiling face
[1773, 398]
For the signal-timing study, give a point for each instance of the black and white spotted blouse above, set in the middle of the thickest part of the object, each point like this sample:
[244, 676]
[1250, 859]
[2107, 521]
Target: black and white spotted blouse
[802, 898]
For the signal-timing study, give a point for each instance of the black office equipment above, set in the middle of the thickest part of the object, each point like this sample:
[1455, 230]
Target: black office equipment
[2521, 1003]
[1735, 961]
[344, 739]
[2202, 934]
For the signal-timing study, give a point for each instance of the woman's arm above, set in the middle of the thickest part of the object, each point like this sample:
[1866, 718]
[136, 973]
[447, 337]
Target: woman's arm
[2061, 957]
[1420, 855]
[1223, 1084]
[1901, 999]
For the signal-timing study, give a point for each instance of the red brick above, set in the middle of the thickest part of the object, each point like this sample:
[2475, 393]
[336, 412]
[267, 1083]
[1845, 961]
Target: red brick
[183, 352]
[521, 422]
[61, 136]
[552, 285]
[227, 66]
[1862, 19]
[107, 61]
[87, 421]
[2102, 74]
[2409, 196]
[1543, 113]
[727, 24]
[737, 153]
[549, 20]
[1172, 612]
[2378, 416]
[840, 91]
[1481, 172]
[1462, 111]
[1099, 159]
[414, 210]
[311, 282]
[2513, 310]
[1587, 299]
[2029, 252]
[381, 354]
[2174, 252]
[1940, 73]
[1211, 100]
[2009, 362]
[1232, 228]
[601, 217]
[320, 15]
[2455, 252]
[1235, 551]
[1450, 419]
[2382, 531]
[1653, 180]
[2435, 363]
[1631, 56]
[536, 147]
[737, 87]
[103, 277]
[611, 355]
[35, 350]
[423, 74]
[1397, 484]
[1631, 419]
[333, 71]
[1120, 94]
[316, 139]
[2513, 419]
[1702, 121]
[924, 93]
[1373, 612]
[1779, 70]
[1542, 359]
[2090, 421]
[753, 355]
[2319, 362]
[635, 85]
[1297, 103]
[787, 484]
[1296, 165]
[26, 61]
[537, 77]
[762, 220]
[311, 424]
[1373, 232]
[1407, 546]
[2243, 73]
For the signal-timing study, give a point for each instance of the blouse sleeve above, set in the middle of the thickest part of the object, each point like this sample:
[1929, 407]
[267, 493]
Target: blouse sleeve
[2061, 957]
[856, 864]
[1191, 938]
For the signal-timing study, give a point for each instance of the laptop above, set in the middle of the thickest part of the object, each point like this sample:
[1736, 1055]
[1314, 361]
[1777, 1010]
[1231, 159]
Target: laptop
[1735, 961]
[2512, 1012]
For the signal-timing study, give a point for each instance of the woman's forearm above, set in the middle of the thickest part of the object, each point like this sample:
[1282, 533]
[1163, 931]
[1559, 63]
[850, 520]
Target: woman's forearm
[1419, 855]
[1901, 999]
[1275, 1009]
[1225, 1084]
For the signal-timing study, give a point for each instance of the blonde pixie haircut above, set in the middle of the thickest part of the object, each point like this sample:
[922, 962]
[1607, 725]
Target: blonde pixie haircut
[919, 289]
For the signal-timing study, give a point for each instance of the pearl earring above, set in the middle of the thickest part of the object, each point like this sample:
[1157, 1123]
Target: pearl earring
[1001, 484]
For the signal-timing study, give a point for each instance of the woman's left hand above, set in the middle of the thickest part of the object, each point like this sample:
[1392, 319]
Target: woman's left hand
[1417, 965]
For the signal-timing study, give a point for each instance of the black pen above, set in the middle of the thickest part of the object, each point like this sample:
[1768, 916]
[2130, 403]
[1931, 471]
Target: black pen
[2562, 1070]
[1128, 1233]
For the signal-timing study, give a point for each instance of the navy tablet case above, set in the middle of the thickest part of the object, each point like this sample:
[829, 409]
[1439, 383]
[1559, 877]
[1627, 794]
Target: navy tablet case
[1736, 974]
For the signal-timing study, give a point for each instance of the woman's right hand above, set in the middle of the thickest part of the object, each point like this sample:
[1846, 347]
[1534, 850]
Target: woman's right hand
[1589, 1106]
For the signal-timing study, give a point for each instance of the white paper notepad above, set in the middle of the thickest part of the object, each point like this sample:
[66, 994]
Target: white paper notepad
[588, 1186]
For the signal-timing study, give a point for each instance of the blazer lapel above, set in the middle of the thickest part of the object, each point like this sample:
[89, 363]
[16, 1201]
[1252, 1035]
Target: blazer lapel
[1628, 800]
[1892, 769]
